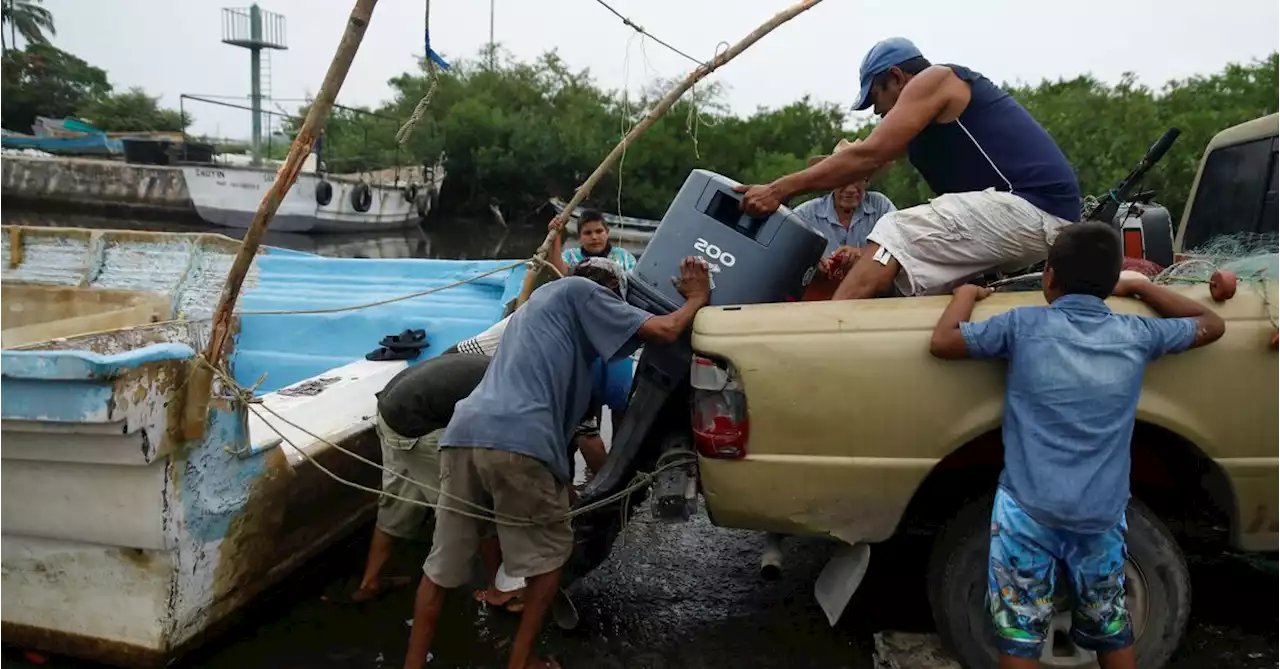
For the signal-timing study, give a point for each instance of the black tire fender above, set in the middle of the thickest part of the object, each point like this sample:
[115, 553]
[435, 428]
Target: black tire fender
[324, 193]
[957, 584]
[361, 197]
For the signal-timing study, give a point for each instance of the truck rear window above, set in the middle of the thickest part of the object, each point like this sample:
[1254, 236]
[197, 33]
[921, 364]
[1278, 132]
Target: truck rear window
[1237, 193]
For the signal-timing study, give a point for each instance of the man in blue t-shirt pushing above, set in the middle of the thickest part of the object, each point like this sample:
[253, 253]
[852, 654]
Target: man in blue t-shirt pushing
[504, 455]
[1075, 375]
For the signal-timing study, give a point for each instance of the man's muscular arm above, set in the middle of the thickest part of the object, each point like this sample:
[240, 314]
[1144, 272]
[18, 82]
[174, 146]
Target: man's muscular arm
[923, 99]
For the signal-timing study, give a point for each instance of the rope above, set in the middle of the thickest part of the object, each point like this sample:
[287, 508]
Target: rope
[255, 405]
[640, 29]
[695, 119]
[641, 479]
[432, 59]
[623, 128]
[400, 298]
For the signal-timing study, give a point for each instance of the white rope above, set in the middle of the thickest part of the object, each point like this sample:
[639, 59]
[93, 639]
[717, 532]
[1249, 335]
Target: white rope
[242, 395]
[400, 298]
[433, 80]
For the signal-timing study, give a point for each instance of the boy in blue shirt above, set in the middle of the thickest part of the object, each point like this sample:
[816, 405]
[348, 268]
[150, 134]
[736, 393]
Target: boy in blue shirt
[1075, 375]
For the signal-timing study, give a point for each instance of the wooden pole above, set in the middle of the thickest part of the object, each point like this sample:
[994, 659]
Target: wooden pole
[199, 385]
[656, 113]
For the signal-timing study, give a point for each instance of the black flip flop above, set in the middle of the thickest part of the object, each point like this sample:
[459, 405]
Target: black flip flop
[409, 339]
[387, 354]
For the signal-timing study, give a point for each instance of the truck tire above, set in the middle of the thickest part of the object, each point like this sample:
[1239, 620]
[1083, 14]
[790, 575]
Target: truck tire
[1158, 585]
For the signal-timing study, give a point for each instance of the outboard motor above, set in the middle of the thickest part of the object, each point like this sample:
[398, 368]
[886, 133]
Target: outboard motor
[1147, 229]
[753, 260]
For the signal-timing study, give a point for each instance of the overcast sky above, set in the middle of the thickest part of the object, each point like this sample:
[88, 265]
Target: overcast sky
[171, 47]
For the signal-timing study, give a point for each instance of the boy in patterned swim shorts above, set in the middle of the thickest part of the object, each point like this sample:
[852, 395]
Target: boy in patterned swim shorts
[1075, 375]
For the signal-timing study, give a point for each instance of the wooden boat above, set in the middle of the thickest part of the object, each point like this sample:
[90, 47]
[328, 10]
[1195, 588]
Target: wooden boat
[123, 541]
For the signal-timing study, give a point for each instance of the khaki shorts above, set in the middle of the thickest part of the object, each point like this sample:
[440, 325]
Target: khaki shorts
[513, 485]
[954, 237]
[418, 459]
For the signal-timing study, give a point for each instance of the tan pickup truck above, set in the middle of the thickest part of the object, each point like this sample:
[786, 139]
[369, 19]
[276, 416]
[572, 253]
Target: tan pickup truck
[831, 418]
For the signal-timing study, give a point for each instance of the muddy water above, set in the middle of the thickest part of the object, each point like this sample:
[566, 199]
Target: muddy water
[671, 596]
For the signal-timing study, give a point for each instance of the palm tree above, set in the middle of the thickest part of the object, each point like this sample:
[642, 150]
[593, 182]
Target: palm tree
[28, 18]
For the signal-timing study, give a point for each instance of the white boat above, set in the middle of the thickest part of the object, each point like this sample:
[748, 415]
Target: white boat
[124, 540]
[228, 195]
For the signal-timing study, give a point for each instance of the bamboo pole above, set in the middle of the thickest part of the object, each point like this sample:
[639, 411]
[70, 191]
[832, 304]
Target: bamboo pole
[654, 114]
[199, 384]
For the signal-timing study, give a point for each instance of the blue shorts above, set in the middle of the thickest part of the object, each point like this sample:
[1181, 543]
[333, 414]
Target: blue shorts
[1028, 558]
[611, 383]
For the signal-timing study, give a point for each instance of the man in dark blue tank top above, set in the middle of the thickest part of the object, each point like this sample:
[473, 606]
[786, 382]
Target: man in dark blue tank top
[1004, 187]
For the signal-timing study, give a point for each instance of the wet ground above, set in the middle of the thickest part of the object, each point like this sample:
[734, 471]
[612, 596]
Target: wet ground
[683, 596]
[671, 596]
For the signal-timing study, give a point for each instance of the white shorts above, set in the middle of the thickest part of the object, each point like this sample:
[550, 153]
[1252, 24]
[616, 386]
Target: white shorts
[957, 236]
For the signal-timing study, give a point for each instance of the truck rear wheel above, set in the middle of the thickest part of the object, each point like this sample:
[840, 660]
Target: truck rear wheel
[1157, 584]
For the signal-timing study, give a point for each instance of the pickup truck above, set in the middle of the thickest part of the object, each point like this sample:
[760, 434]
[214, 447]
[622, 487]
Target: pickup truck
[832, 419]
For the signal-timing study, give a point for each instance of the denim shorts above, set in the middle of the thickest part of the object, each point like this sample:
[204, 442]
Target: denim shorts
[1027, 559]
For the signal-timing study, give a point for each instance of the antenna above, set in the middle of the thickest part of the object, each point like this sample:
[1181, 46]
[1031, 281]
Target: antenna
[254, 29]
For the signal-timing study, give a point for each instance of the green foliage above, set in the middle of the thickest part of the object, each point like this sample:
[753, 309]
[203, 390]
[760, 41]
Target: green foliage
[1104, 130]
[132, 110]
[44, 81]
[520, 132]
[27, 18]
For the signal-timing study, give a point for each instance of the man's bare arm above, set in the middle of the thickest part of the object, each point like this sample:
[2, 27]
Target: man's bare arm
[694, 283]
[555, 255]
[922, 100]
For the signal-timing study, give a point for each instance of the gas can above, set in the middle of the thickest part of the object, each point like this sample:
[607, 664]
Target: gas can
[752, 260]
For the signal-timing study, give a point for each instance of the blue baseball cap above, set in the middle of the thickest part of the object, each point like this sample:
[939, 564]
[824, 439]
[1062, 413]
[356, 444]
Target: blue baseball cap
[884, 55]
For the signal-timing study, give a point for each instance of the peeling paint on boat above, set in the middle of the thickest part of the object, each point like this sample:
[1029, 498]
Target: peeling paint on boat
[125, 544]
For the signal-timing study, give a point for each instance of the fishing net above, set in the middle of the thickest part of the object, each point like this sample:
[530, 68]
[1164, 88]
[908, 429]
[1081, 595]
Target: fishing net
[1252, 257]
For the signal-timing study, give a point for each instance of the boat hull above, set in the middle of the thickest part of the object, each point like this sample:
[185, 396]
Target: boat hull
[230, 196]
[128, 543]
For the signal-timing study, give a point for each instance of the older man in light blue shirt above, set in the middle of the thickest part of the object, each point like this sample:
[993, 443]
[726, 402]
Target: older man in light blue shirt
[846, 216]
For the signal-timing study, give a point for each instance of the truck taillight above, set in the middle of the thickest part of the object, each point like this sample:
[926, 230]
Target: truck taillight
[719, 410]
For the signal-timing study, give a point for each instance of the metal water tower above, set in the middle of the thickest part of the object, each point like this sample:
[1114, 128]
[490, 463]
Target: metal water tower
[255, 30]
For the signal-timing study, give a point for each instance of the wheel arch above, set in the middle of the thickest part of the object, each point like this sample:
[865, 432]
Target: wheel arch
[1166, 466]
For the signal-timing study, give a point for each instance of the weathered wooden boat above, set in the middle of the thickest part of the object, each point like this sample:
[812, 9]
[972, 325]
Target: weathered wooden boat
[123, 541]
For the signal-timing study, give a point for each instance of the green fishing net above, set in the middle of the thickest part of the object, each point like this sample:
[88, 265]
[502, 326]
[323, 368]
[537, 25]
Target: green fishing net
[1253, 257]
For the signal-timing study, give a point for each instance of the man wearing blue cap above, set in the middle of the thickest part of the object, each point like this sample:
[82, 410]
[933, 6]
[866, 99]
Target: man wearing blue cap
[1004, 187]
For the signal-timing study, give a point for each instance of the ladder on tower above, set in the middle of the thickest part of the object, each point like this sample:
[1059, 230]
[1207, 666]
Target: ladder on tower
[265, 88]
